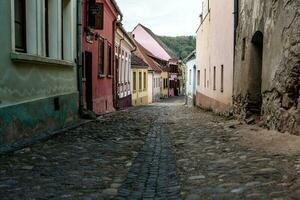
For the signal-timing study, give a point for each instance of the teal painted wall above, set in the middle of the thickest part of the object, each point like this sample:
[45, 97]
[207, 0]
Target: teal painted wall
[28, 119]
[27, 90]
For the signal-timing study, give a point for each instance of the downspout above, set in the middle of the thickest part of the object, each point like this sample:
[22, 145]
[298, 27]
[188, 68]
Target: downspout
[114, 87]
[79, 59]
[236, 21]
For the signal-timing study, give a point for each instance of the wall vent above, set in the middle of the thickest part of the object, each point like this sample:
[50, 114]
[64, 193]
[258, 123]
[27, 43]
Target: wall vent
[56, 104]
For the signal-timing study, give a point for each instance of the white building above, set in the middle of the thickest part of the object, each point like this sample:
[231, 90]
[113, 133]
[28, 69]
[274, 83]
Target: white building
[190, 62]
[124, 46]
[215, 53]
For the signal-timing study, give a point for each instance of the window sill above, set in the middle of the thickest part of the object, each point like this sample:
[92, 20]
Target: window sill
[27, 58]
[109, 76]
[101, 76]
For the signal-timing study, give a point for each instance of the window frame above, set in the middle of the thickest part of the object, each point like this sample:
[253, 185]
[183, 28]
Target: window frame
[222, 78]
[198, 77]
[145, 81]
[134, 82]
[214, 78]
[101, 57]
[140, 82]
[109, 60]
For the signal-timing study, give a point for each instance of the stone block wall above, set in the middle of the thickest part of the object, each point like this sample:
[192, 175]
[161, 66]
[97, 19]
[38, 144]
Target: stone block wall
[279, 22]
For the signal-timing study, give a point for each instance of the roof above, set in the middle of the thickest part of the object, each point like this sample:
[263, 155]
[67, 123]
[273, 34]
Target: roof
[120, 26]
[145, 54]
[137, 61]
[191, 56]
[161, 43]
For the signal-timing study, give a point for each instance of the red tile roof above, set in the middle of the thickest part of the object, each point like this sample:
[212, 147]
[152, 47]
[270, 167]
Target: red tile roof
[146, 55]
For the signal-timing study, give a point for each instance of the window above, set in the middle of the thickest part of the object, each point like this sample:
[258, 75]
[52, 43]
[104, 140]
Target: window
[198, 76]
[50, 25]
[109, 61]
[99, 16]
[20, 25]
[134, 81]
[244, 49]
[204, 77]
[47, 27]
[222, 78]
[214, 86]
[101, 57]
[95, 14]
[145, 81]
[140, 81]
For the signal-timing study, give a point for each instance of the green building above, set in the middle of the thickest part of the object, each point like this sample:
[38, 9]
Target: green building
[38, 84]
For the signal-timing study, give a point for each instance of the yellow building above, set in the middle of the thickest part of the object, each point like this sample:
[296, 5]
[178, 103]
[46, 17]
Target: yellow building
[164, 84]
[139, 81]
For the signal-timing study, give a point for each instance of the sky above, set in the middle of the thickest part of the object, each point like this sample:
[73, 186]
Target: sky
[163, 17]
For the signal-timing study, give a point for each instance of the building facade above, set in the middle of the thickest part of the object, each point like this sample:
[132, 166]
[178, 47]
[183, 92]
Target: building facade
[139, 76]
[38, 87]
[99, 18]
[123, 48]
[267, 64]
[215, 53]
[161, 55]
[154, 73]
[190, 63]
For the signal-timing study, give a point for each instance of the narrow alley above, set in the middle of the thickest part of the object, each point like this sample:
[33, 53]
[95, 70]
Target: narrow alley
[161, 151]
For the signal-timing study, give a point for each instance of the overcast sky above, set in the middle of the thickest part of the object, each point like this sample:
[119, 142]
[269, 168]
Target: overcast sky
[163, 17]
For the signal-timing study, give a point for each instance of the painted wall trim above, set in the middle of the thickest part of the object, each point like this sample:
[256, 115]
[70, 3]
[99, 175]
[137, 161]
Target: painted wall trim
[37, 99]
[27, 58]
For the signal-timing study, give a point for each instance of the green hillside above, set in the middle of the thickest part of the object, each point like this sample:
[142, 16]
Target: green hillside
[182, 46]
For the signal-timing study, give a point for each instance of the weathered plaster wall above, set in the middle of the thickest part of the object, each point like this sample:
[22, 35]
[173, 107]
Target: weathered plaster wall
[279, 21]
[214, 48]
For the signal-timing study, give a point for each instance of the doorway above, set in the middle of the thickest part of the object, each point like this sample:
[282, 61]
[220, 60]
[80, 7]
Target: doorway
[255, 74]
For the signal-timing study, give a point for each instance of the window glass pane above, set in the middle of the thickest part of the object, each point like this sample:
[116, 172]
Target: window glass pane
[101, 56]
[20, 25]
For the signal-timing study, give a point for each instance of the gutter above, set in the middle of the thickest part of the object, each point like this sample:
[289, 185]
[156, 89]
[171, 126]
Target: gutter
[78, 56]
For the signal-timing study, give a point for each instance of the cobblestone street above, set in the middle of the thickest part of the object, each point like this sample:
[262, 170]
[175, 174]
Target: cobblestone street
[161, 151]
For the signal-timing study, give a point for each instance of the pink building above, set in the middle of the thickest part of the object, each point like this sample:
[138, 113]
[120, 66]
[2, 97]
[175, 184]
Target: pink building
[161, 54]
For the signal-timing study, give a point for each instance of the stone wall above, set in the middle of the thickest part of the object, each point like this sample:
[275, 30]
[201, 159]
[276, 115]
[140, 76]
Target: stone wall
[279, 22]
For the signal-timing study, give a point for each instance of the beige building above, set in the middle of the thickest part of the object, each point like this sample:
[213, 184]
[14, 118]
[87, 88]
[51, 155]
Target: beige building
[215, 53]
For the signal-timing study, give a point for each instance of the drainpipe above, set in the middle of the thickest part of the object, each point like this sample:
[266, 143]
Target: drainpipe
[114, 88]
[79, 59]
[236, 21]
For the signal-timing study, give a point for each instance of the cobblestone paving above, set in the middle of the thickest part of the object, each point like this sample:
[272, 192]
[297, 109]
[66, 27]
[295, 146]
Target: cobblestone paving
[153, 174]
[89, 162]
[212, 165]
[162, 151]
